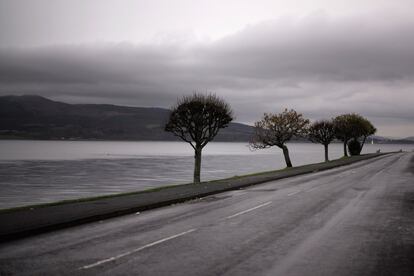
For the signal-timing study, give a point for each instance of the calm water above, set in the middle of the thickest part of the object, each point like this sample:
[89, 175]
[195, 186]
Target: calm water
[44, 171]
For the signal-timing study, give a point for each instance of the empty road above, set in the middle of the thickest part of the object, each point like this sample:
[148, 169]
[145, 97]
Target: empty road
[352, 220]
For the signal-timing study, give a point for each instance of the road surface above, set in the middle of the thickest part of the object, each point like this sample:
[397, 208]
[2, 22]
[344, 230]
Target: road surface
[352, 220]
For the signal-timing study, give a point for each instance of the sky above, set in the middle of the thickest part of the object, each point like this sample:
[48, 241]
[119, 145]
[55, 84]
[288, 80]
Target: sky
[322, 58]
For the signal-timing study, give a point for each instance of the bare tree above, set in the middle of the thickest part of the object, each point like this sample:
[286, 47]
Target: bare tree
[322, 132]
[277, 129]
[196, 120]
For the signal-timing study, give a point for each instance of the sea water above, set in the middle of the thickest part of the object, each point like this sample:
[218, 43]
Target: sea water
[44, 171]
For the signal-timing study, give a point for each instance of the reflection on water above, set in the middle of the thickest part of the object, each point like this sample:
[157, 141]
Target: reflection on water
[44, 171]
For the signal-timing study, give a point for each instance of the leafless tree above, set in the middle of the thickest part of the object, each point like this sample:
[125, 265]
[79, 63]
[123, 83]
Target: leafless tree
[322, 132]
[196, 120]
[277, 129]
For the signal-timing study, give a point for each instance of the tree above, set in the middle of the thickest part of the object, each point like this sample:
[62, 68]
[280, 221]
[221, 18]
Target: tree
[196, 120]
[361, 129]
[354, 147]
[343, 129]
[277, 129]
[322, 132]
[353, 126]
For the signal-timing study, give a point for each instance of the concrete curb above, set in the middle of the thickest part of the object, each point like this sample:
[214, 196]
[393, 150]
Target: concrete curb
[29, 221]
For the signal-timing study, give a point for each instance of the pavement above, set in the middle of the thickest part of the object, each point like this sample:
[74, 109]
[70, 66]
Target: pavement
[352, 220]
[17, 223]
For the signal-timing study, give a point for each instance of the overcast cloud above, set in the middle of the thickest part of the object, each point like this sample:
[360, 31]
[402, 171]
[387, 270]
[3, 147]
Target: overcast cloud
[319, 64]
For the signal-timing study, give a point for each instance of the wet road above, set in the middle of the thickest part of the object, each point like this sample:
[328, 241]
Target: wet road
[353, 220]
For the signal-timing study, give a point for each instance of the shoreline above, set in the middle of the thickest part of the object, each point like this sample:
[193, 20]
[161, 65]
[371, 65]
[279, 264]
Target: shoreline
[33, 219]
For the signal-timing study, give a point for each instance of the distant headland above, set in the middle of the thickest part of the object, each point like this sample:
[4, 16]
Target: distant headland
[36, 117]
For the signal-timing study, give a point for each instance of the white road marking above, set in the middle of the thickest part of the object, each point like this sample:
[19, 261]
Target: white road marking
[294, 193]
[136, 250]
[248, 210]
[311, 189]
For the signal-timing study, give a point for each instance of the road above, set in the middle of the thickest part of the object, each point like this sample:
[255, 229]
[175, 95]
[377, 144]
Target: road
[352, 220]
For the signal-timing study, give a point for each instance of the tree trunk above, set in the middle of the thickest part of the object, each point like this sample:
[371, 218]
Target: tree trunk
[362, 144]
[326, 153]
[197, 164]
[345, 152]
[286, 154]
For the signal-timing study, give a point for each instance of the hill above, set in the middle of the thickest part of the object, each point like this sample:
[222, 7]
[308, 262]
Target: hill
[385, 140]
[35, 117]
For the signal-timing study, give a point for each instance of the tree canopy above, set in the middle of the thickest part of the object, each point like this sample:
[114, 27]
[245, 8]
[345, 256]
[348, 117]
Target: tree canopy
[322, 132]
[361, 129]
[353, 126]
[343, 127]
[196, 120]
[277, 129]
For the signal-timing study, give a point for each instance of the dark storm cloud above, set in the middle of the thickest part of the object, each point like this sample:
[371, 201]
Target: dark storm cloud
[317, 65]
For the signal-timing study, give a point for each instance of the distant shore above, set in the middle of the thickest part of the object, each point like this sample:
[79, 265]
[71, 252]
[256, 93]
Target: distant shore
[5, 137]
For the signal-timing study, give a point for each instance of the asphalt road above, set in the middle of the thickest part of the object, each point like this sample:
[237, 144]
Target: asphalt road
[353, 220]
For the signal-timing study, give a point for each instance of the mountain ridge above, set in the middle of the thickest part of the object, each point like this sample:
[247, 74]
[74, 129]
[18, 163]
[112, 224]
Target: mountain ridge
[36, 117]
